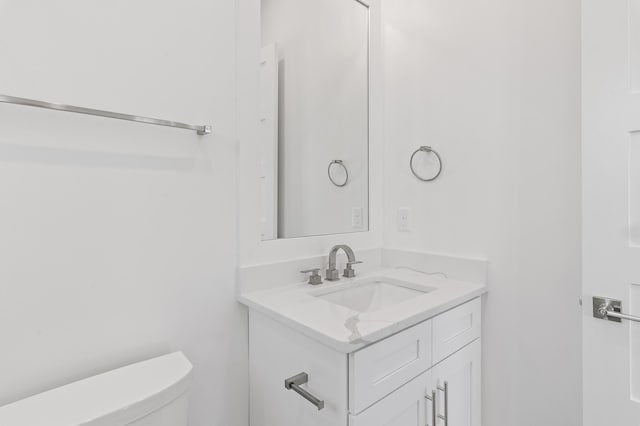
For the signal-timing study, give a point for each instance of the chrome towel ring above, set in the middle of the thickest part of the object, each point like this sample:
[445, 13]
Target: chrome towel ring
[346, 173]
[427, 150]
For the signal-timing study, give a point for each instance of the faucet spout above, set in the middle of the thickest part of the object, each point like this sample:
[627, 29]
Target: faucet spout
[332, 271]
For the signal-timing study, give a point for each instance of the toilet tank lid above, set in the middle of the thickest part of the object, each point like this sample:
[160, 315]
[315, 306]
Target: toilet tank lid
[117, 397]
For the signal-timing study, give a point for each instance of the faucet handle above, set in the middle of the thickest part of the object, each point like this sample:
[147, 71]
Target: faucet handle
[314, 278]
[349, 272]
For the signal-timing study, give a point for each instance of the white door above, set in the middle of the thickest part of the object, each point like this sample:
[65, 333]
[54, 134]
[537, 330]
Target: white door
[407, 406]
[457, 384]
[611, 209]
[611, 204]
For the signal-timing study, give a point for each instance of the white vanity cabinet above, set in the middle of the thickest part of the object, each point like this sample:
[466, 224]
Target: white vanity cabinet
[391, 382]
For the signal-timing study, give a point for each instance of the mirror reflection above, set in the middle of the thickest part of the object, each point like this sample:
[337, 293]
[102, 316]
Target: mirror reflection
[314, 117]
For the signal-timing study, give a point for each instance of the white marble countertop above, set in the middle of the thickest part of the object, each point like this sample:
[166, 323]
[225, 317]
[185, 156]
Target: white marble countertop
[347, 330]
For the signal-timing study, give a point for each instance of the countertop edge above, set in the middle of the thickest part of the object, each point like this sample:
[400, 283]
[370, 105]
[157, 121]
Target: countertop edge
[347, 347]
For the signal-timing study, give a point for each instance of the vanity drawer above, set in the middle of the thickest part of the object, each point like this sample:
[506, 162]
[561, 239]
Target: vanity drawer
[383, 367]
[455, 329]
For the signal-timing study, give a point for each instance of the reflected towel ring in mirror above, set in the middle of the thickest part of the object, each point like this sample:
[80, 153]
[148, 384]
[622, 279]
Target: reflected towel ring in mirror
[427, 150]
[346, 173]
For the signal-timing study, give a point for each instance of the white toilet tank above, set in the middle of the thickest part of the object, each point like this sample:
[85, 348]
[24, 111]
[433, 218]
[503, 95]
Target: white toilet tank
[149, 393]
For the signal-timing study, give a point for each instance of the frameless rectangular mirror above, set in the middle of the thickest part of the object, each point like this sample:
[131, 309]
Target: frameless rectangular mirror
[314, 117]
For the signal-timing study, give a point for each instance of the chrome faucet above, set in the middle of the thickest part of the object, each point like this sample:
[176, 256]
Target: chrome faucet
[332, 272]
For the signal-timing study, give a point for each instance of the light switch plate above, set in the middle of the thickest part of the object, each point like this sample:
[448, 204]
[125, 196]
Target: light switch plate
[357, 221]
[404, 219]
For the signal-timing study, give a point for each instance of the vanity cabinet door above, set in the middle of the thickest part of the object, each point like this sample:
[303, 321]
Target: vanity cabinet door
[456, 328]
[457, 384]
[406, 406]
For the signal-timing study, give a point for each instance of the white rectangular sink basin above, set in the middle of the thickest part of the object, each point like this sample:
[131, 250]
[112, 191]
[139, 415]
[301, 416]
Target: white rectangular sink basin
[372, 294]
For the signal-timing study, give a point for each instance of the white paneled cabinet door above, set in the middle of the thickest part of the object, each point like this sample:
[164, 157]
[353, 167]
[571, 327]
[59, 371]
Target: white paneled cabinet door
[458, 391]
[407, 406]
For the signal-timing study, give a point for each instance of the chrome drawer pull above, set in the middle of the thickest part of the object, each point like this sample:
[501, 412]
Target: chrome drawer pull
[432, 399]
[294, 383]
[445, 389]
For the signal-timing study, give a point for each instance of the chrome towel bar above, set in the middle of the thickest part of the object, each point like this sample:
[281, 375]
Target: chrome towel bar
[201, 130]
[294, 383]
[610, 310]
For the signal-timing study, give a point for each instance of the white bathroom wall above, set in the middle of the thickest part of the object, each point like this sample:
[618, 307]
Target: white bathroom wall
[118, 239]
[494, 87]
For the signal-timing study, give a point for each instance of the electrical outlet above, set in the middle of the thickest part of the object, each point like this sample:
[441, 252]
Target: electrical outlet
[404, 219]
[357, 221]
